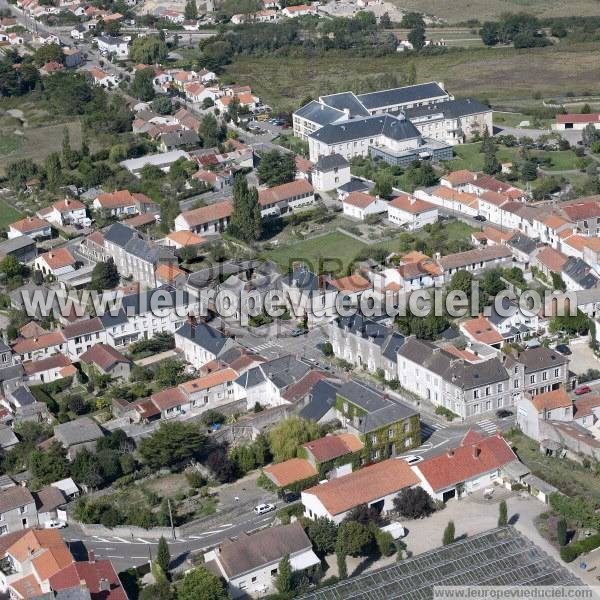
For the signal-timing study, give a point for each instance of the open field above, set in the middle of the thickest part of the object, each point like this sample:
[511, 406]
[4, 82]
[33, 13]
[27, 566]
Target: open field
[38, 142]
[459, 11]
[498, 75]
[8, 214]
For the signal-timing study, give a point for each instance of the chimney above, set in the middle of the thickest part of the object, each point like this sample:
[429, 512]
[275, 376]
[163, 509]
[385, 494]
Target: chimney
[450, 453]
[476, 451]
[83, 583]
[67, 202]
[412, 200]
[91, 556]
[104, 584]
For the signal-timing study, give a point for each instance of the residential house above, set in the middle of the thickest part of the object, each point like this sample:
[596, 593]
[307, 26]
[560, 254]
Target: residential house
[8, 439]
[17, 509]
[162, 160]
[22, 248]
[117, 46]
[249, 564]
[82, 334]
[287, 197]
[291, 472]
[64, 212]
[168, 274]
[366, 343]
[102, 359]
[576, 121]
[78, 434]
[201, 343]
[555, 405]
[178, 139]
[55, 262]
[475, 260]
[375, 485]
[57, 366]
[330, 172]
[50, 504]
[123, 202]
[182, 239]
[578, 275]
[102, 78]
[92, 246]
[474, 465]
[387, 427]
[40, 347]
[585, 213]
[451, 199]
[359, 205]
[215, 390]
[207, 219]
[444, 379]
[482, 331]
[334, 455]
[409, 212]
[536, 370]
[34, 227]
[548, 261]
[549, 229]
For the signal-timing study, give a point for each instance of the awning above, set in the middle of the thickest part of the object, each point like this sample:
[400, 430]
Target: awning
[304, 560]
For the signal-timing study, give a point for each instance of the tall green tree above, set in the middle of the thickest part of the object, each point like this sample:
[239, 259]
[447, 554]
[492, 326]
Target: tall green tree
[190, 12]
[289, 435]
[199, 584]
[449, 532]
[210, 131]
[284, 583]
[416, 36]
[502, 514]
[148, 50]
[163, 556]
[561, 531]
[105, 275]
[68, 157]
[142, 86]
[245, 221]
[276, 168]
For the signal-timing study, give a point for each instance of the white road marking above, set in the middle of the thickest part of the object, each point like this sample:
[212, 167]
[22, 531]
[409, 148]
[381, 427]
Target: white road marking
[105, 548]
[120, 539]
[143, 541]
[102, 539]
[109, 556]
[139, 557]
[227, 525]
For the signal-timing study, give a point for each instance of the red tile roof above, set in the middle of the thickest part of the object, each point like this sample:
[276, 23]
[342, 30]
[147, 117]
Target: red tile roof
[333, 446]
[481, 330]
[351, 283]
[303, 386]
[168, 273]
[466, 462]
[30, 224]
[83, 327]
[58, 258]
[551, 400]
[54, 338]
[206, 214]
[169, 398]
[410, 204]
[121, 199]
[359, 199]
[578, 118]
[460, 177]
[103, 355]
[57, 361]
[285, 191]
[364, 486]
[585, 209]
[99, 576]
[290, 471]
[551, 259]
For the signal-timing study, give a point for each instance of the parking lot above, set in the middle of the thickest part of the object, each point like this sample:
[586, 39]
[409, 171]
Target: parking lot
[582, 358]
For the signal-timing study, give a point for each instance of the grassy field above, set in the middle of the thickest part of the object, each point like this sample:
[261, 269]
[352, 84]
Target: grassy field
[459, 11]
[513, 119]
[498, 75]
[8, 214]
[10, 143]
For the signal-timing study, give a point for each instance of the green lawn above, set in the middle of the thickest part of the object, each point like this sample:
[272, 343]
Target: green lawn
[9, 143]
[8, 214]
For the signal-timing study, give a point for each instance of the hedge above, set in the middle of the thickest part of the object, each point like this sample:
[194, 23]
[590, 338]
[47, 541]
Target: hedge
[572, 551]
[287, 512]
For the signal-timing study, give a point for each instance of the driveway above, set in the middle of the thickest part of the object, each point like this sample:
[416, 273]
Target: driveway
[582, 358]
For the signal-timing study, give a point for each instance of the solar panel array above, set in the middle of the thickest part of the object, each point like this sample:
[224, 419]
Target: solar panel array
[499, 557]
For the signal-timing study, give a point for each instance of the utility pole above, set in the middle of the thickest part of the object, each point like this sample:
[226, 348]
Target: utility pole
[171, 518]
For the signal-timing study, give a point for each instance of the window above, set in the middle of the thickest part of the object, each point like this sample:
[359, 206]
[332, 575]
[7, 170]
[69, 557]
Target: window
[273, 572]
[556, 372]
[500, 388]
[390, 433]
[532, 379]
[3, 529]
[475, 394]
[487, 390]
[22, 510]
[544, 376]
[253, 579]
[407, 425]
[516, 383]
[373, 439]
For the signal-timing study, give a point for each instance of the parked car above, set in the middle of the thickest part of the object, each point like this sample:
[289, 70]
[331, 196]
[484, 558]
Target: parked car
[54, 524]
[564, 349]
[291, 497]
[503, 413]
[479, 218]
[298, 331]
[411, 459]
[582, 389]
[261, 509]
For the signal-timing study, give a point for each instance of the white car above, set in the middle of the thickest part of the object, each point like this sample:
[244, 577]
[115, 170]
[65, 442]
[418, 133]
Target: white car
[411, 459]
[54, 524]
[261, 509]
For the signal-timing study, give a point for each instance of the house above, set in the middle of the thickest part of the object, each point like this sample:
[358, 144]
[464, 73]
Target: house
[290, 472]
[123, 202]
[475, 260]
[30, 560]
[212, 391]
[366, 343]
[414, 271]
[375, 485]
[578, 275]
[386, 427]
[576, 121]
[548, 261]
[451, 199]
[490, 236]
[48, 369]
[51, 67]
[207, 219]
[162, 160]
[287, 197]
[115, 45]
[445, 379]
[168, 274]
[8, 439]
[201, 343]
[585, 213]
[82, 334]
[22, 248]
[182, 239]
[250, 563]
[17, 509]
[482, 331]
[178, 139]
[50, 505]
[78, 434]
[334, 455]
[34, 227]
[537, 370]
[555, 405]
[359, 205]
[330, 172]
[215, 181]
[135, 257]
[102, 359]
[40, 347]
[197, 92]
[409, 212]
[97, 577]
[55, 262]
[549, 229]
[102, 78]
[474, 465]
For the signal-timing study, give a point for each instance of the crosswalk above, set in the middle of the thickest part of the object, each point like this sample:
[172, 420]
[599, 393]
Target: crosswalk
[488, 426]
[265, 346]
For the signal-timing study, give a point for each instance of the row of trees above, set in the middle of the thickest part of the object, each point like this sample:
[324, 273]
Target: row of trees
[522, 30]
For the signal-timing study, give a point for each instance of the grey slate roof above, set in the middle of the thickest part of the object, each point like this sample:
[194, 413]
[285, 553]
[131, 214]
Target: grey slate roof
[537, 359]
[395, 128]
[346, 101]
[452, 109]
[319, 113]
[78, 431]
[23, 396]
[119, 234]
[321, 400]
[354, 185]
[580, 272]
[403, 95]
[152, 254]
[7, 437]
[72, 593]
[8, 246]
[185, 137]
[521, 242]
[460, 373]
[282, 372]
[329, 162]
[204, 335]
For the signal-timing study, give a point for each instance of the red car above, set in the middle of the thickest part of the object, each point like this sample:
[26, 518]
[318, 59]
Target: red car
[582, 389]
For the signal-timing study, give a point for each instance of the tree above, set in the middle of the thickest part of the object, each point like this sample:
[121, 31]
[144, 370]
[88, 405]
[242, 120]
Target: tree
[353, 538]
[461, 281]
[170, 372]
[11, 267]
[384, 183]
[221, 465]
[200, 584]
[489, 33]
[76, 404]
[341, 563]
[209, 130]
[216, 55]
[491, 164]
[413, 503]
[18, 172]
[163, 556]
[284, 583]
[68, 157]
[173, 442]
[529, 169]
[558, 283]
[162, 104]
[323, 534]
[561, 532]
[491, 283]
[365, 515]
[289, 435]
[48, 53]
[411, 76]
[148, 50]
[384, 21]
[85, 468]
[142, 86]
[276, 168]
[502, 514]
[245, 221]
[412, 19]
[448, 537]
[589, 135]
[50, 465]
[53, 169]
[416, 36]
[105, 276]
[586, 109]
[161, 590]
[190, 12]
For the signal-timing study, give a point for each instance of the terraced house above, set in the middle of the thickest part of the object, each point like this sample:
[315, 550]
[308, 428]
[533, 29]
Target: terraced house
[386, 427]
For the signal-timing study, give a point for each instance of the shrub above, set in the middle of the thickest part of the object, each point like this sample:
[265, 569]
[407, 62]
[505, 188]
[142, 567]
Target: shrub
[287, 512]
